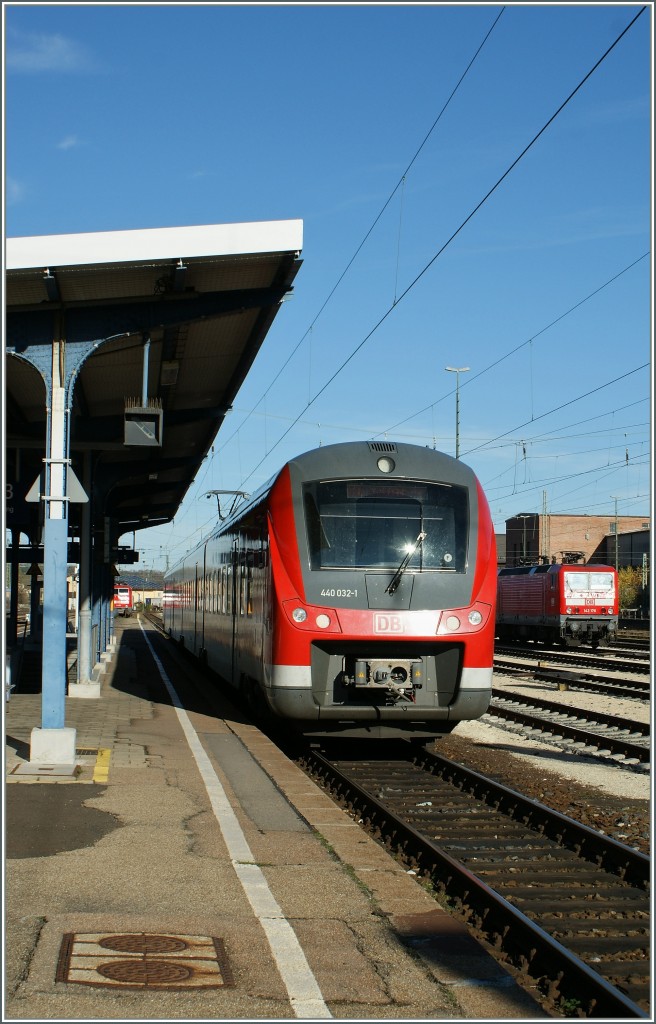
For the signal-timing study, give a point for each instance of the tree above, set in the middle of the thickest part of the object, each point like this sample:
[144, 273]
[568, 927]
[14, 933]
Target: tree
[630, 584]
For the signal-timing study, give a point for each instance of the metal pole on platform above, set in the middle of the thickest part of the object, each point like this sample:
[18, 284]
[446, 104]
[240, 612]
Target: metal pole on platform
[53, 743]
[85, 687]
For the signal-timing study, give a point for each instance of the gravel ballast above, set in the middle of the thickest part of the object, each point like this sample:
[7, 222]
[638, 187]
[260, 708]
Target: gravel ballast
[612, 799]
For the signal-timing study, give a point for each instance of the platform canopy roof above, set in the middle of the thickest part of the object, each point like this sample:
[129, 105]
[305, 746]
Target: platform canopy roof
[191, 304]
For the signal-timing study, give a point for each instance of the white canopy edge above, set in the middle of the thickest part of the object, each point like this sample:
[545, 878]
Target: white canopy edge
[105, 247]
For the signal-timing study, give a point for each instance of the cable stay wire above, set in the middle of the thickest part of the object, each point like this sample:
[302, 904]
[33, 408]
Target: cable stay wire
[582, 451]
[569, 437]
[355, 255]
[546, 437]
[590, 419]
[557, 408]
[454, 235]
[540, 484]
[600, 504]
[518, 348]
[561, 455]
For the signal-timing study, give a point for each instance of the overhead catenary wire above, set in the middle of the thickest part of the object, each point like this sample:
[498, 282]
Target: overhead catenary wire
[475, 376]
[422, 436]
[451, 238]
[557, 408]
[377, 218]
[539, 484]
[484, 445]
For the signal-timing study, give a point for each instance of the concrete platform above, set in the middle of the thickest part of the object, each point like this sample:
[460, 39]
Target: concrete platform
[186, 869]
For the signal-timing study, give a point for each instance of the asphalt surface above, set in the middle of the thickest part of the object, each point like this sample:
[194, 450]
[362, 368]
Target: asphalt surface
[129, 898]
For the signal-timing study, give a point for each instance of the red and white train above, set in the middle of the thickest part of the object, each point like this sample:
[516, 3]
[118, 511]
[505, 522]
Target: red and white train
[353, 595]
[123, 599]
[567, 604]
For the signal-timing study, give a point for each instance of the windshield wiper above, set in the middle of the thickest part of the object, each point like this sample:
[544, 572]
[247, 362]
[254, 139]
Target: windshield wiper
[396, 578]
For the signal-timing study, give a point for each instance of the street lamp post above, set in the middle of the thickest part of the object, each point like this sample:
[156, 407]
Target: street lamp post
[457, 370]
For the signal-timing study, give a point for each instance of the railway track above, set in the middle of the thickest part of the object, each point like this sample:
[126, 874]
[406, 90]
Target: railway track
[594, 681]
[564, 906]
[639, 663]
[593, 733]
[506, 865]
[639, 645]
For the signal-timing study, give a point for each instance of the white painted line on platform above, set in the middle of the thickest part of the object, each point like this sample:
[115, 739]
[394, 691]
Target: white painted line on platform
[304, 992]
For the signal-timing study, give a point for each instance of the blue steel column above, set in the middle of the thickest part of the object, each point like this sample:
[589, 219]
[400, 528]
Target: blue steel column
[53, 691]
[55, 559]
[84, 654]
[53, 742]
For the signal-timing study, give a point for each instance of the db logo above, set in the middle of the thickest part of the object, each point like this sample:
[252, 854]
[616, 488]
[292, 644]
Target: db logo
[388, 624]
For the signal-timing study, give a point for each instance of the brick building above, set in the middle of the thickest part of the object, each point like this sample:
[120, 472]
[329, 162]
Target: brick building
[533, 538]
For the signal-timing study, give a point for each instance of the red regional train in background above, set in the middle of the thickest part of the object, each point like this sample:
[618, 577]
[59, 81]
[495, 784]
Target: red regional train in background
[352, 596]
[566, 604]
[123, 599]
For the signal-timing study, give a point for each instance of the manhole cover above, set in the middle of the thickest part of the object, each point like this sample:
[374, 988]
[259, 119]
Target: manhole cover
[146, 972]
[143, 960]
[143, 943]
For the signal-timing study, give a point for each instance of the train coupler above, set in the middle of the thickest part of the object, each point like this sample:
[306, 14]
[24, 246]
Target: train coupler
[399, 678]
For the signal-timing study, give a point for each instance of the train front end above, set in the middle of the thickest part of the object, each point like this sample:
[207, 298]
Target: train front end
[589, 604]
[383, 571]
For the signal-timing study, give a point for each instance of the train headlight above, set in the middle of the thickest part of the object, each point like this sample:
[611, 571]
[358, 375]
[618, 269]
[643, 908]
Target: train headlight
[568, 611]
[385, 464]
[453, 623]
[475, 618]
[299, 615]
[323, 621]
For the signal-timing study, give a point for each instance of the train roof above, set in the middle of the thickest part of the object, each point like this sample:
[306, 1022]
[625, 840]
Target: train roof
[536, 570]
[347, 458]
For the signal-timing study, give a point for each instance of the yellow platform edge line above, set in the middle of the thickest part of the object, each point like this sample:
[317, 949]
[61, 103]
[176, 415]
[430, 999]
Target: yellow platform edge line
[101, 769]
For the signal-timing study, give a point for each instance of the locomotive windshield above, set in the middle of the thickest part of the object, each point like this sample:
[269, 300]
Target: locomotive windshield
[372, 524]
[593, 582]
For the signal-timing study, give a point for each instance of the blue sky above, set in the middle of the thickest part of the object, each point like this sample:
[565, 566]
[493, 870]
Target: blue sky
[150, 115]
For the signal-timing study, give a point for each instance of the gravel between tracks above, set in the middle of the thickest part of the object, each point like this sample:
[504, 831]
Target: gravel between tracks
[613, 800]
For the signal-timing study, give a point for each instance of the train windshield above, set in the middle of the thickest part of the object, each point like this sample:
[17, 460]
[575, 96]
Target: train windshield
[372, 524]
[589, 582]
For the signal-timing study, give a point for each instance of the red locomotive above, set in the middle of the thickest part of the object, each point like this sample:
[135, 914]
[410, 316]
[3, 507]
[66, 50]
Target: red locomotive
[567, 604]
[353, 595]
[123, 600]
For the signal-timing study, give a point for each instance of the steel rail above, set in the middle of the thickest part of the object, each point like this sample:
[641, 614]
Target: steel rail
[562, 975]
[584, 659]
[633, 688]
[602, 740]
